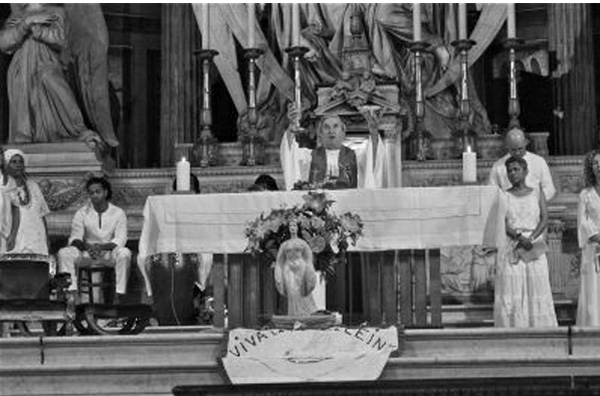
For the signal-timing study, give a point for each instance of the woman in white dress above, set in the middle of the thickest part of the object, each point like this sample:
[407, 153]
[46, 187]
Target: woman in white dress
[7, 186]
[523, 297]
[29, 232]
[588, 227]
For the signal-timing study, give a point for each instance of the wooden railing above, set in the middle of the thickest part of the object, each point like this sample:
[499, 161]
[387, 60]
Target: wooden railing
[381, 288]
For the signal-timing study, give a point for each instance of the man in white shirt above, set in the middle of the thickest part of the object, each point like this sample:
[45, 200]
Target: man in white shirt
[98, 233]
[538, 177]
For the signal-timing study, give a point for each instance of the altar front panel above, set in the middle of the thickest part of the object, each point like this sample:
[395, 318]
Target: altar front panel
[402, 218]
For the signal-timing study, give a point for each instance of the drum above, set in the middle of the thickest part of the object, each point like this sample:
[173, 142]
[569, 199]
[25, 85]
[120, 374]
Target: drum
[172, 277]
[25, 276]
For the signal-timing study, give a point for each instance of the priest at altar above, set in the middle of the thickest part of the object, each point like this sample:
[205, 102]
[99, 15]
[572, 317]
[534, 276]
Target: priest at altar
[332, 162]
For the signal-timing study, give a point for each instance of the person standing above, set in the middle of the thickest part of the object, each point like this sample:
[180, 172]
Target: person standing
[588, 233]
[538, 175]
[98, 234]
[29, 230]
[522, 293]
[7, 185]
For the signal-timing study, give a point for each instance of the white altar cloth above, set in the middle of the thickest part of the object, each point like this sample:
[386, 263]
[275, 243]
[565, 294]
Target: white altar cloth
[398, 218]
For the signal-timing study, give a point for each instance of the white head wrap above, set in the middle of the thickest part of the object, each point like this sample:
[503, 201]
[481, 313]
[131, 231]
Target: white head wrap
[8, 154]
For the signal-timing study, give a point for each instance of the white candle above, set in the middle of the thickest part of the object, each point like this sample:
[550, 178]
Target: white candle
[251, 25]
[511, 26]
[183, 175]
[417, 21]
[462, 21]
[295, 25]
[469, 163]
[205, 27]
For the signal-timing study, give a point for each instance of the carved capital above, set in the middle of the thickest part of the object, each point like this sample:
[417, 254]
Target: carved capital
[555, 229]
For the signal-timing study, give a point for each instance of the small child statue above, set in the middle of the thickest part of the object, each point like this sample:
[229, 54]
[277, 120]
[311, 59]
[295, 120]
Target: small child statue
[295, 275]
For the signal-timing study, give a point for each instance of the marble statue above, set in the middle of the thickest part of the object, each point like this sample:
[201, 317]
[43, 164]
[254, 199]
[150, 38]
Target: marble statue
[48, 42]
[295, 276]
[326, 30]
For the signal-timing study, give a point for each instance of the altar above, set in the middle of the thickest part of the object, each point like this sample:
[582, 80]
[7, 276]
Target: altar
[403, 230]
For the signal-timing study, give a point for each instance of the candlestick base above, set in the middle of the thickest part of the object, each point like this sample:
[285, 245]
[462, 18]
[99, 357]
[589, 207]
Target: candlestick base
[420, 146]
[206, 149]
[253, 150]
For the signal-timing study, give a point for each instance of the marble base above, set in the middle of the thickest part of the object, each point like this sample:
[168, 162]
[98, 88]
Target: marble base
[72, 157]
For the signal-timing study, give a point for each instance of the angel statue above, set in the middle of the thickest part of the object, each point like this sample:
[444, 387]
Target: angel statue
[295, 275]
[46, 40]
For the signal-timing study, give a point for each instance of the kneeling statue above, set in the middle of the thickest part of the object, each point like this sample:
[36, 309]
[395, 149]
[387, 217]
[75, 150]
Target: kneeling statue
[295, 275]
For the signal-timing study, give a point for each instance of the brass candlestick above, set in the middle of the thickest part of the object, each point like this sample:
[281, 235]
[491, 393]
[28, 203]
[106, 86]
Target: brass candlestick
[514, 108]
[467, 139]
[206, 144]
[252, 144]
[297, 52]
[420, 140]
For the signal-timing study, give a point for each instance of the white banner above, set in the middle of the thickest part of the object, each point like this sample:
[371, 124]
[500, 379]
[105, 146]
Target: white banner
[335, 354]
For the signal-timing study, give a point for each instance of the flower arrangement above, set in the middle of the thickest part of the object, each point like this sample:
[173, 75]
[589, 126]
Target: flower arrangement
[326, 233]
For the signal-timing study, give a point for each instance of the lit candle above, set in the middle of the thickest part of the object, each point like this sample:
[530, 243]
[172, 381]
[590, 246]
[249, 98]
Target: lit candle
[511, 26]
[295, 25]
[469, 163]
[205, 33]
[251, 25]
[183, 175]
[417, 21]
[462, 21]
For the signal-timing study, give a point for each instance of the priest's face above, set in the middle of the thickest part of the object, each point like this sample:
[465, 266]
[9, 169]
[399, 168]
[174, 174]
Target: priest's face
[333, 133]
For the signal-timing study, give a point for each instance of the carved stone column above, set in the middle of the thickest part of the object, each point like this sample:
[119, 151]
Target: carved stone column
[558, 269]
[393, 155]
[571, 44]
[180, 103]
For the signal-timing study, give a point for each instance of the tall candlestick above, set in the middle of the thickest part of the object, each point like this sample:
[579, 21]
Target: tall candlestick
[462, 21]
[469, 163]
[183, 175]
[295, 25]
[205, 27]
[511, 26]
[251, 25]
[417, 21]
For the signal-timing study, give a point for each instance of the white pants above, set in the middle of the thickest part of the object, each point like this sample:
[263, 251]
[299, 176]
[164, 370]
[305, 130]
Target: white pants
[70, 258]
[204, 261]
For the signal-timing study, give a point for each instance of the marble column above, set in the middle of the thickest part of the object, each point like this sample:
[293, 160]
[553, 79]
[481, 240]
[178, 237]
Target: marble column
[570, 42]
[557, 267]
[181, 80]
[393, 151]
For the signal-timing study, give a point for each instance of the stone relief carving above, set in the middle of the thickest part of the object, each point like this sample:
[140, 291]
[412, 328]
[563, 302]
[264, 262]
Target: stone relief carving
[63, 194]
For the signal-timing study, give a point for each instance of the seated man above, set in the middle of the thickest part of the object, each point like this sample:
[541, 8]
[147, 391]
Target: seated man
[98, 233]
